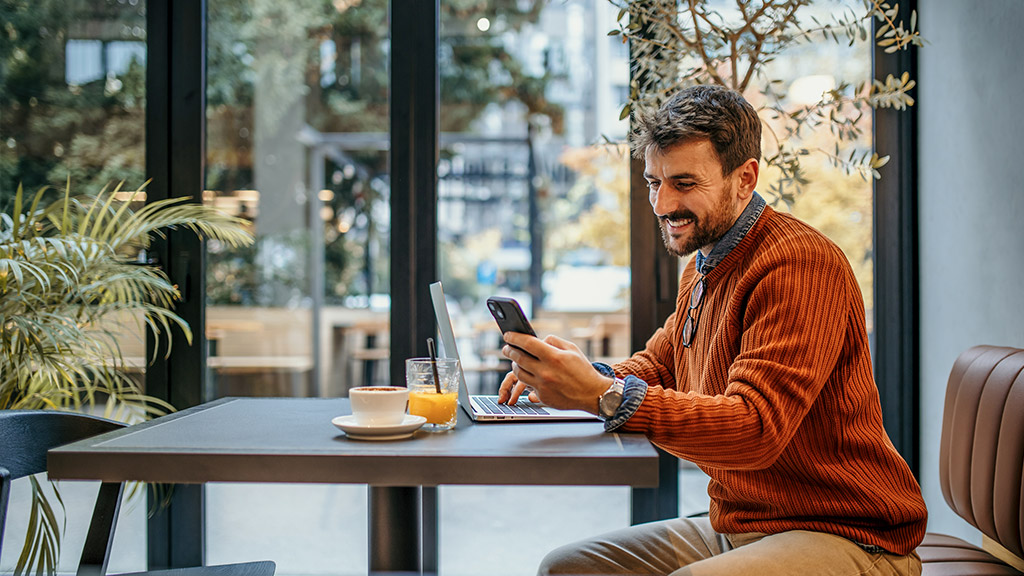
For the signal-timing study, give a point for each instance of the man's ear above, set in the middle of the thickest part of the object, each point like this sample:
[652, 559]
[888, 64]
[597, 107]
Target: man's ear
[747, 177]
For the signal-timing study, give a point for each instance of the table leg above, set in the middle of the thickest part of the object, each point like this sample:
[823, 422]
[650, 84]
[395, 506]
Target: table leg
[394, 529]
[429, 530]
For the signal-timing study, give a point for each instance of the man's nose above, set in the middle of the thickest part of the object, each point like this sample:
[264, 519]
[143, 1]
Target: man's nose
[661, 201]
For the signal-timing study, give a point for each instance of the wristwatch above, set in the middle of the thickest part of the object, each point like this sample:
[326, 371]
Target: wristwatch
[608, 403]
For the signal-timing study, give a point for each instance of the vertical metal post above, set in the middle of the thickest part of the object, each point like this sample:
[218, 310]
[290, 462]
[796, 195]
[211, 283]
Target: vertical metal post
[429, 502]
[653, 285]
[318, 165]
[896, 286]
[414, 102]
[654, 282]
[535, 224]
[175, 160]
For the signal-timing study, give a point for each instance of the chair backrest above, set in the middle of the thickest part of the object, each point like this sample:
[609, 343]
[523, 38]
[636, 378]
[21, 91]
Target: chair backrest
[981, 458]
[26, 436]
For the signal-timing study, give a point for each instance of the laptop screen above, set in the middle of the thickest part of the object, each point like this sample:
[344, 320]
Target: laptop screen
[448, 346]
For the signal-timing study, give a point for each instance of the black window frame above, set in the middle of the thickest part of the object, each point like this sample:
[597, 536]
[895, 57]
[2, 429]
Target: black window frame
[897, 277]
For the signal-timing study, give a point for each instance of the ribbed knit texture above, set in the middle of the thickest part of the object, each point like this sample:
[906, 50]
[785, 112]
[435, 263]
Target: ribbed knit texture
[775, 400]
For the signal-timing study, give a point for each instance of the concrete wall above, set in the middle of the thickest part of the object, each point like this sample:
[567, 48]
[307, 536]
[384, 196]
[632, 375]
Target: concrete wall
[970, 88]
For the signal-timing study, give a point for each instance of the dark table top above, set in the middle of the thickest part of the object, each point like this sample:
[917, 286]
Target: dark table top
[293, 440]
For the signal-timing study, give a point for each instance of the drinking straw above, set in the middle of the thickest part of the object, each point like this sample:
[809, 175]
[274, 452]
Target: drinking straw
[433, 363]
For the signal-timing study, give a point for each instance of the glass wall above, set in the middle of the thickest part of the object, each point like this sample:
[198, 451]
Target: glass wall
[531, 205]
[72, 112]
[297, 122]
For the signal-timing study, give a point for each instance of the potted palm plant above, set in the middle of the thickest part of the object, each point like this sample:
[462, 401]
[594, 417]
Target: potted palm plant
[70, 278]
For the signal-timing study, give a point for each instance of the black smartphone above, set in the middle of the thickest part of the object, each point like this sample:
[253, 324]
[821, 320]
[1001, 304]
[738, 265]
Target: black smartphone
[509, 316]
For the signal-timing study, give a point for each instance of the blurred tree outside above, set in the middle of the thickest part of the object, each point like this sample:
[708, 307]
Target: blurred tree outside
[53, 126]
[680, 44]
[595, 212]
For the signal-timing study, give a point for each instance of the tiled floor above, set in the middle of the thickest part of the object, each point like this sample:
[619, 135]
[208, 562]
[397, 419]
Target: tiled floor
[321, 529]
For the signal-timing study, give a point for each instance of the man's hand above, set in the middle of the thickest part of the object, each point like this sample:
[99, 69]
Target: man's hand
[556, 369]
[511, 389]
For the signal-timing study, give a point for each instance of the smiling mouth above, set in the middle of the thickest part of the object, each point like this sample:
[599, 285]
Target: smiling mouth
[676, 223]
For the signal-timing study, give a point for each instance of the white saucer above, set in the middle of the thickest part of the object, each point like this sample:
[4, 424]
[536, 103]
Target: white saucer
[357, 431]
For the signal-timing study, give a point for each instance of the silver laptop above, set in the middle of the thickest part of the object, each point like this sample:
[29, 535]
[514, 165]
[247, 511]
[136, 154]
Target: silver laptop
[485, 408]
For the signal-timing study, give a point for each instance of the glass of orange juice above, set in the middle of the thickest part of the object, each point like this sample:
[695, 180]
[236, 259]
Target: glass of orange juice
[424, 377]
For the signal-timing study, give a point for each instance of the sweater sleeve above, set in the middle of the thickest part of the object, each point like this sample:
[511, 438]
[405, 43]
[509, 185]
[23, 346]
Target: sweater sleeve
[772, 350]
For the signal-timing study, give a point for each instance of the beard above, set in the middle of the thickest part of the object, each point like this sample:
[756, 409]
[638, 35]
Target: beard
[706, 230]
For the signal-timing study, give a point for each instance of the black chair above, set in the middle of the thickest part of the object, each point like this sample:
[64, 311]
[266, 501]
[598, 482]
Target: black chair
[26, 436]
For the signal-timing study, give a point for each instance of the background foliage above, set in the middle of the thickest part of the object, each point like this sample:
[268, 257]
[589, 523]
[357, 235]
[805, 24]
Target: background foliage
[679, 44]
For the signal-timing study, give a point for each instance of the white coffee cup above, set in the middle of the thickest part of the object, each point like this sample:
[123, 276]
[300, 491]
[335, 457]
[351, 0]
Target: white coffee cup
[379, 405]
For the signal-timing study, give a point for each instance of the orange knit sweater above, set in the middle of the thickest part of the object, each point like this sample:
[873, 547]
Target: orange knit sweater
[775, 400]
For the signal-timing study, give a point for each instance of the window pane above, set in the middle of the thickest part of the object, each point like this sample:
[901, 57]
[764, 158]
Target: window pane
[72, 106]
[836, 202]
[531, 206]
[297, 128]
[297, 144]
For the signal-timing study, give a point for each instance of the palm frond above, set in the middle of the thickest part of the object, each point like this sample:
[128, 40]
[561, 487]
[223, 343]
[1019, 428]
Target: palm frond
[42, 538]
[158, 216]
[68, 293]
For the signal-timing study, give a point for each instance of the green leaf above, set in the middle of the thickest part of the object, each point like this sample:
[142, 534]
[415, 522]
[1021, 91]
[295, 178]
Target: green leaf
[625, 111]
[17, 214]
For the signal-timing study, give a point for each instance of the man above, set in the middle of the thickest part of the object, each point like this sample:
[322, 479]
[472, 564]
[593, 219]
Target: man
[762, 377]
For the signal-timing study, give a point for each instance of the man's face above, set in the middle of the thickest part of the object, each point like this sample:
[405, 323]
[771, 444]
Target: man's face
[695, 204]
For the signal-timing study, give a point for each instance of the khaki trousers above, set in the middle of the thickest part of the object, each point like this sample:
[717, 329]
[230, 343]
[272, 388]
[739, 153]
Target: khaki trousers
[689, 546]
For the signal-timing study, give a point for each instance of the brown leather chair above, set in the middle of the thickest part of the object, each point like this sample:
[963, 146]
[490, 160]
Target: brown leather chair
[981, 461]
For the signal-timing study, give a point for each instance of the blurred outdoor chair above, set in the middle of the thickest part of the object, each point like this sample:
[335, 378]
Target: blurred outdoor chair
[369, 347]
[606, 339]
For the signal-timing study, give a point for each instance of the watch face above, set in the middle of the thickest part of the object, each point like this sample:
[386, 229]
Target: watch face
[610, 401]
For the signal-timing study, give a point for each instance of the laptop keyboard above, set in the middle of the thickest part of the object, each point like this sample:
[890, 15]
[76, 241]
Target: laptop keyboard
[521, 407]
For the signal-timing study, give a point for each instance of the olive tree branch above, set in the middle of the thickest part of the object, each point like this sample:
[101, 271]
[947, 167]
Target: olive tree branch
[700, 45]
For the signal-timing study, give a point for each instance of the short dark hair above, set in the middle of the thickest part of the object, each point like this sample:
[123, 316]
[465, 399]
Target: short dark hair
[710, 112]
